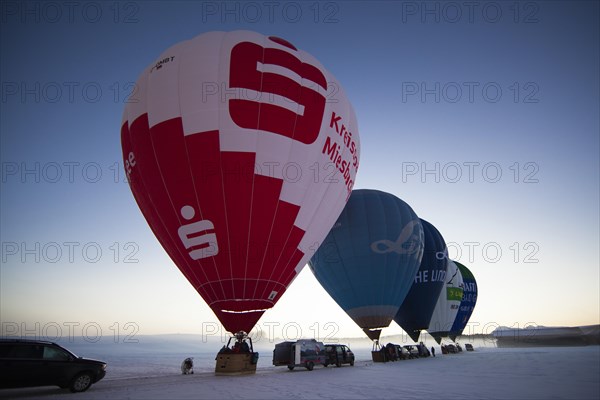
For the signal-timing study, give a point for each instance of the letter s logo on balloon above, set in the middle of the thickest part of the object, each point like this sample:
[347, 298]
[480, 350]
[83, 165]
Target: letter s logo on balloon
[292, 109]
[204, 245]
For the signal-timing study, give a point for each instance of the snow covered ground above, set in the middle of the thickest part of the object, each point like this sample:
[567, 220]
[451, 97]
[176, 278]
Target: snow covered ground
[487, 373]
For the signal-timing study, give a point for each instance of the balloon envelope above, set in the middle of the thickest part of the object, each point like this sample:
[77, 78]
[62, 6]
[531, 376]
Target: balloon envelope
[226, 141]
[447, 304]
[368, 260]
[416, 310]
[467, 304]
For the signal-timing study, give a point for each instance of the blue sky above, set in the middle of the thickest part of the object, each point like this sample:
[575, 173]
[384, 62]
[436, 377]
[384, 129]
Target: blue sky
[483, 118]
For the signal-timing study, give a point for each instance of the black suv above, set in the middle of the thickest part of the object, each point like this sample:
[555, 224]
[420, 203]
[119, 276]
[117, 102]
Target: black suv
[338, 354]
[25, 363]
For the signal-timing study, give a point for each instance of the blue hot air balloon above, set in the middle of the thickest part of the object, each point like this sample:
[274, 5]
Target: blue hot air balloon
[467, 305]
[368, 260]
[416, 310]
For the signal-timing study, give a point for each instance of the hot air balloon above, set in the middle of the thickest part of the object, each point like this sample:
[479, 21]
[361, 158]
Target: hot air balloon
[416, 310]
[467, 304]
[447, 305]
[368, 260]
[226, 142]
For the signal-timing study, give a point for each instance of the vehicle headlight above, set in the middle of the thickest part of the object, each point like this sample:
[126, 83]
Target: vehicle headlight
[103, 367]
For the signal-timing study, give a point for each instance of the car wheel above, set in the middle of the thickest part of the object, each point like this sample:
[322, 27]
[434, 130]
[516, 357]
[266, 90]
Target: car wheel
[352, 363]
[291, 367]
[310, 365]
[81, 382]
[325, 365]
[338, 364]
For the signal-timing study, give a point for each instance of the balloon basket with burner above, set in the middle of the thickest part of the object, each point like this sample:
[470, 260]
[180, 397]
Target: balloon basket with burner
[239, 359]
[377, 356]
[378, 352]
[236, 364]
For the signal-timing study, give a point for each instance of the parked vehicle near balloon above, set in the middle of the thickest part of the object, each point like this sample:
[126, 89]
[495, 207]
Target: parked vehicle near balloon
[449, 349]
[338, 354]
[403, 353]
[30, 362]
[302, 353]
[413, 352]
[423, 350]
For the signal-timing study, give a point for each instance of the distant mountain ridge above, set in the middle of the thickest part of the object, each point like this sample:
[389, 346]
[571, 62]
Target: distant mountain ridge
[547, 336]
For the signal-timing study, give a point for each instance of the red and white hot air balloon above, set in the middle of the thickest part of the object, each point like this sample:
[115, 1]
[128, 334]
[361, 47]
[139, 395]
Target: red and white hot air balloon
[241, 151]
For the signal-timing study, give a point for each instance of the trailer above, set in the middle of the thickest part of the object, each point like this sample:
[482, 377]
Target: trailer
[301, 353]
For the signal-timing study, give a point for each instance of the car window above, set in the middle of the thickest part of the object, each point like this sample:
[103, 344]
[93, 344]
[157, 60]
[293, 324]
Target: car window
[24, 350]
[54, 353]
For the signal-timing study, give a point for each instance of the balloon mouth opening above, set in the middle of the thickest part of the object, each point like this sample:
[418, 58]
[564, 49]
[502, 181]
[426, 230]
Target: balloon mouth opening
[244, 311]
[373, 333]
